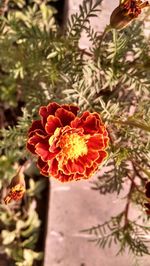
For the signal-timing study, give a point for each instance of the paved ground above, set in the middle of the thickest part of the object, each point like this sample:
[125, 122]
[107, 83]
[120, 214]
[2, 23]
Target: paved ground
[75, 206]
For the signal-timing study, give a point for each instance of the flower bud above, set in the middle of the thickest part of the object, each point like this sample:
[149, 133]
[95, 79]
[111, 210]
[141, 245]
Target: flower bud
[126, 12]
[16, 188]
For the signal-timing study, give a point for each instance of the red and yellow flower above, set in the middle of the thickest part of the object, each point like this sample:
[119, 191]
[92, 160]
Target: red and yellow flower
[126, 12]
[16, 188]
[68, 147]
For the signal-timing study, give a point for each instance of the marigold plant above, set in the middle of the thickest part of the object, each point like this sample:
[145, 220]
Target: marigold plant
[43, 66]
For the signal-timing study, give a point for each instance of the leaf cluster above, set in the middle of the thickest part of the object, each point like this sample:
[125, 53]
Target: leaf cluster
[20, 227]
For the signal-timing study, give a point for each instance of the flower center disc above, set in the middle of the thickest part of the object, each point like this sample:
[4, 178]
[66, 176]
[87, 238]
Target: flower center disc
[73, 146]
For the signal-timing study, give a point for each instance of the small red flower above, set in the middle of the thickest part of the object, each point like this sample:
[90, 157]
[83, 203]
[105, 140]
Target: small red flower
[16, 189]
[126, 12]
[68, 147]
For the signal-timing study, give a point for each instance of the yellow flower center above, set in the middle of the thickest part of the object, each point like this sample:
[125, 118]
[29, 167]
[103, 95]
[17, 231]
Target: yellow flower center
[73, 145]
[18, 189]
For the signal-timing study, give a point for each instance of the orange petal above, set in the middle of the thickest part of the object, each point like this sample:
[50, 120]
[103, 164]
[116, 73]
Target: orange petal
[98, 118]
[91, 157]
[96, 142]
[52, 107]
[52, 123]
[106, 141]
[72, 108]
[78, 121]
[42, 149]
[35, 139]
[75, 166]
[43, 166]
[90, 125]
[91, 170]
[65, 178]
[53, 167]
[31, 148]
[65, 116]
[45, 111]
[102, 156]
[36, 125]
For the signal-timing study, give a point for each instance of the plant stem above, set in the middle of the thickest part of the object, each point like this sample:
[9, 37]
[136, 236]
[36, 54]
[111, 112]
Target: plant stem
[134, 164]
[126, 211]
[135, 185]
[133, 123]
[84, 52]
[101, 38]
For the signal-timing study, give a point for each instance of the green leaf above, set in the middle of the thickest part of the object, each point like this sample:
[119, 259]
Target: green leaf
[8, 237]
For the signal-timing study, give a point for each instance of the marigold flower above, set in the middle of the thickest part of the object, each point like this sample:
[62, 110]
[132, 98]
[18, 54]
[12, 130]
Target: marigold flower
[126, 12]
[16, 188]
[68, 147]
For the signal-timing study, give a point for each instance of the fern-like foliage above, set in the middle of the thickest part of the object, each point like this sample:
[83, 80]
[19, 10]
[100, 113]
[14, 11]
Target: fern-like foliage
[131, 237]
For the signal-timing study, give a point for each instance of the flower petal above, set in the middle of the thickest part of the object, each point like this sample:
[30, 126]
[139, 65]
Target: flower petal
[36, 125]
[31, 148]
[91, 170]
[52, 107]
[65, 178]
[72, 108]
[90, 157]
[33, 140]
[45, 111]
[106, 141]
[79, 121]
[75, 167]
[52, 123]
[65, 116]
[96, 142]
[53, 167]
[43, 166]
[102, 156]
[42, 149]
[91, 123]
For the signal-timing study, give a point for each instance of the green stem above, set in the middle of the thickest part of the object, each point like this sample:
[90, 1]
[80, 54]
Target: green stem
[134, 124]
[126, 211]
[101, 38]
[106, 30]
